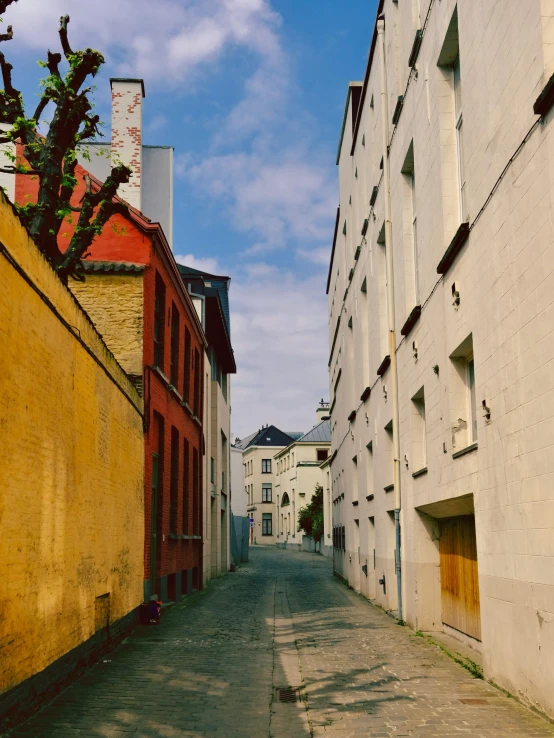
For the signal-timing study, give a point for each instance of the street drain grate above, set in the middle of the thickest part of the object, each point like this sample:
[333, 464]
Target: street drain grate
[473, 701]
[288, 694]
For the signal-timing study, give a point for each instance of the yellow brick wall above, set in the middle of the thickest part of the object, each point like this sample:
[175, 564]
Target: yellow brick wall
[115, 305]
[71, 468]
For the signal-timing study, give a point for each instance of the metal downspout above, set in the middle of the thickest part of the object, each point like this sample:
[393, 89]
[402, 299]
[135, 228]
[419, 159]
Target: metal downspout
[391, 307]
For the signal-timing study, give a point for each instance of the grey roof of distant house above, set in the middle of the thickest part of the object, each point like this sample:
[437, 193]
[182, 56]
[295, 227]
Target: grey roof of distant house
[243, 443]
[271, 436]
[295, 434]
[320, 433]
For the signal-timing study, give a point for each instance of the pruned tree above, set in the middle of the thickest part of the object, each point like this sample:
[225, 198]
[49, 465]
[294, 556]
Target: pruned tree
[52, 158]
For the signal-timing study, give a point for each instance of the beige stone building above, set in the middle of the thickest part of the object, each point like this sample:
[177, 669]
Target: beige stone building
[441, 351]
[259, 480]
[297, 474]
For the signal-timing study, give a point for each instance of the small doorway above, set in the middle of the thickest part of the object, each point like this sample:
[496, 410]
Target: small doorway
[459, 575]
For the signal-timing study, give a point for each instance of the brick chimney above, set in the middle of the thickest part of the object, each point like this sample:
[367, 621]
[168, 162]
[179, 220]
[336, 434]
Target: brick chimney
[127, 95]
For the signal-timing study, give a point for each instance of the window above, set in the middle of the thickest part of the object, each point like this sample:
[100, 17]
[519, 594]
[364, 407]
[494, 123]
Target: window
[355, 479]
[187, 360]
[322, 454]
[159, 322]
[266, 492]
[175, 330]
[370, 484]
[472, 400]
[459, 136]
[174, 482]
[267, 524]
[212, 470]
[464, 400]
[195, 493]
[419, 444]
[186, 486]
[266, 466]
[410, 229]
[196, 405]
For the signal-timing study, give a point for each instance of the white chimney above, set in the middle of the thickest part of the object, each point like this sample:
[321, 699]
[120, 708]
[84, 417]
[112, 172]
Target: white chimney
[127, 95]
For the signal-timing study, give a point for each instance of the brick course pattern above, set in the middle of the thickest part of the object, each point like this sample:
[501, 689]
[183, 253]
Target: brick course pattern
[213, 666]
[71, 469]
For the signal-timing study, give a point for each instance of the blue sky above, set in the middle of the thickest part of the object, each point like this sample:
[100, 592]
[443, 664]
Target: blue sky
[251, 95]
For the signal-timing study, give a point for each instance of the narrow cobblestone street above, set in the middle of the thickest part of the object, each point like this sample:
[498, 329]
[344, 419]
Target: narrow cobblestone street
[213, 667]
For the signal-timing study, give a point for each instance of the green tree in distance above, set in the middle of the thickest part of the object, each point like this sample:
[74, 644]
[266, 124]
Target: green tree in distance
[310, 517]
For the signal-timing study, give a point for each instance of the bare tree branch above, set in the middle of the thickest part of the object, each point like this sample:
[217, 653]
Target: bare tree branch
[64, 20]
[89, 227]
[8, 35]
[4, 4]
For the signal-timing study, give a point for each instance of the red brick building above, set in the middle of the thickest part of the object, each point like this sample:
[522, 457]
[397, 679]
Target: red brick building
[138, 302]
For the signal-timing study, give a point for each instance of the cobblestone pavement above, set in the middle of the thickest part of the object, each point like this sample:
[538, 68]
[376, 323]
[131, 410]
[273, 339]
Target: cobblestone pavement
[211, 669]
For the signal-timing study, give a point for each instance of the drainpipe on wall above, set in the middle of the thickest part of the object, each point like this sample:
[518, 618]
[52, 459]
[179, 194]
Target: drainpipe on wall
[391, 307]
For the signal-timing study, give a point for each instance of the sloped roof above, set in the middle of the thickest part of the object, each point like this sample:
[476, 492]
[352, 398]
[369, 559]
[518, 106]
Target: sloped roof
[106, 267]
[320, 433]
[295, 435]
[270, 436]
[243, 443]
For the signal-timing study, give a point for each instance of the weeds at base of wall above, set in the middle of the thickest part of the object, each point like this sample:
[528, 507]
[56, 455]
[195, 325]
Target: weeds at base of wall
[474, 669]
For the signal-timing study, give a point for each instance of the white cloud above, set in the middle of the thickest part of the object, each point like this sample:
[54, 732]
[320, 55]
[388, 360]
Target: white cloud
[320, 255]
[167, 39]
[275, 198]
[156, 124]
[203, 264]
[279, 333]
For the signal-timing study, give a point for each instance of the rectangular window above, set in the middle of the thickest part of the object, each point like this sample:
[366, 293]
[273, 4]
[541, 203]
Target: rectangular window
[159, 322]
[459, 136]
[266, 466]
[370, 484]
[463, 396]
[419, 443]
[175, 331]
[266, 492]
[212, 471]
[355, 479]
[196, 405]
[174, 482]
[267, 524]
[186, 486]
[322, 454]
[187, 360]
[472, 400]
[195, 493]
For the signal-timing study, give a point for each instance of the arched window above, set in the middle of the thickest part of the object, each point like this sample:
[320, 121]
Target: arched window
[285, 500]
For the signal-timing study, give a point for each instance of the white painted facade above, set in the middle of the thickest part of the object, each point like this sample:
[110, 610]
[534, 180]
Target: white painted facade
[475, 370]
[298, 471]
[259, 487]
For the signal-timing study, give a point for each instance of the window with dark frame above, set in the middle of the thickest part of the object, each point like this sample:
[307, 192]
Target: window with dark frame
[195, 493]
[267, 524]
[186, 486]
[174, 482]
[196, 402]
[175, 331]
[322, 454]
[267, 492]
[159, 322]
[266, 466]
[186, 372]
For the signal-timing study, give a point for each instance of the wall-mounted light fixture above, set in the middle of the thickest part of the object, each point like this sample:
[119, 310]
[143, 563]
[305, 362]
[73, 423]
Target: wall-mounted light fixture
[455, 295]
[414, 349]
[385, 392]
[487, 411]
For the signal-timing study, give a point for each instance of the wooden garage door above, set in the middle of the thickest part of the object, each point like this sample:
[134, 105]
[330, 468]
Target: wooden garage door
[459, 575]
